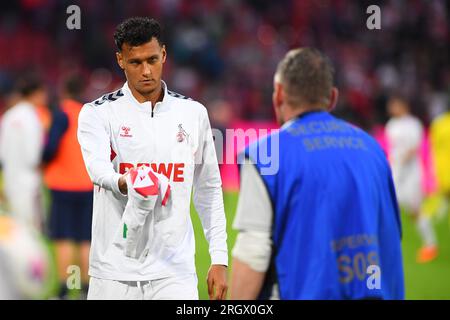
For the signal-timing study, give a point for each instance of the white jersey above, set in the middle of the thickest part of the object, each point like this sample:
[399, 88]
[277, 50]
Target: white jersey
[117, 132]
[21, 145]
[405, 134]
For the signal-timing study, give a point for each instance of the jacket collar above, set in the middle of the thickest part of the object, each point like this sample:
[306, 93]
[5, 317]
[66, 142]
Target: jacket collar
[146, 106]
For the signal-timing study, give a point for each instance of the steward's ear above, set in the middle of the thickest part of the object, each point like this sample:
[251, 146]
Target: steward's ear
[333, 99]
[278, 95]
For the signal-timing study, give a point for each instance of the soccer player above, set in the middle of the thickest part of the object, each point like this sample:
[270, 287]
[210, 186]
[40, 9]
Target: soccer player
[326, 224]
[440, 146]
[24, 261]
[144, 123]
[405, 133]
[70, 187]
[21, 143]
[438, 202]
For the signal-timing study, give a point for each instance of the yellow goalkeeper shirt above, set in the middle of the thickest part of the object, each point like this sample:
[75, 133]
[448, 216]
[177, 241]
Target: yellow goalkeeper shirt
[440, 142]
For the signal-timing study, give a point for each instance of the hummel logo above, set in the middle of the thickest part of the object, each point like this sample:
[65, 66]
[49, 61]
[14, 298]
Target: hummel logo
[125, 132]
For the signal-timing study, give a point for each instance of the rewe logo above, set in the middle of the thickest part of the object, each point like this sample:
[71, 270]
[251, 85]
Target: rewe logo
[125, 132]
[173, 171]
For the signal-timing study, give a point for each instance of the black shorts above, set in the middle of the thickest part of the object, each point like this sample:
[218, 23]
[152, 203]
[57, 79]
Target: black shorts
[71, 216]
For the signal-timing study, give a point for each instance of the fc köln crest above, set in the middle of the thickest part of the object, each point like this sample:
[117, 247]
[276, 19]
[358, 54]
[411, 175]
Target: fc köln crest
[182, 134]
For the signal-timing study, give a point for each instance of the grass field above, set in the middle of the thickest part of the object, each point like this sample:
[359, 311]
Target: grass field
[202, 259]
[431, 280]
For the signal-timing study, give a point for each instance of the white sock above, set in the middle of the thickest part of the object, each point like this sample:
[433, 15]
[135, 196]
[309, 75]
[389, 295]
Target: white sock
[426, 230]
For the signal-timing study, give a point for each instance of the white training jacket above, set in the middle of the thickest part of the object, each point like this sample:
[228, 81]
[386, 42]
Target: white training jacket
[117, 132]
[21, 145]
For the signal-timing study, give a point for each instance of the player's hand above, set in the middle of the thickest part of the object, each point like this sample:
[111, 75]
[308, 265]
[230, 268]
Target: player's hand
[217, 282]
[123, 184]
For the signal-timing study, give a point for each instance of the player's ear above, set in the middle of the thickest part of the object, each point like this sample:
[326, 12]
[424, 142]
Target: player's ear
[333, 99]
[119, 58]
[164, 53]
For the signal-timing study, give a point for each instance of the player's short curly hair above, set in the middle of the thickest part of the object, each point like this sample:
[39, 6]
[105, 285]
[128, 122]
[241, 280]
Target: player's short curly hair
[136, 31]
[307, 75]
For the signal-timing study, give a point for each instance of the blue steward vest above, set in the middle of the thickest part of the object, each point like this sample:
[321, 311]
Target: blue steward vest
[336, 226]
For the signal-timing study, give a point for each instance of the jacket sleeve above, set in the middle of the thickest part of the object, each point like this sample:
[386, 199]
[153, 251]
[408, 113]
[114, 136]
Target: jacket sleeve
[208, 198]
[93, 137]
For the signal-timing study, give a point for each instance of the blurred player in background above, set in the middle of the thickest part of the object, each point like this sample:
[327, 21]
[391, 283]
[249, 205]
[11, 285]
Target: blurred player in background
[405, 134]
[438, 203]
[146, 124]
[24, 261]
[311, 230]
[70, 186]
[21, 143]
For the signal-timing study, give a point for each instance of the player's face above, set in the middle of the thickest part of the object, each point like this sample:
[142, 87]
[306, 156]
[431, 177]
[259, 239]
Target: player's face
[143, 65]
[40, 97]
[397, 108]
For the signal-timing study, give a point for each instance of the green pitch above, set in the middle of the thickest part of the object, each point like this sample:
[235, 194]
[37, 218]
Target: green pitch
[422, 281]
[431, 280]
[202, 259]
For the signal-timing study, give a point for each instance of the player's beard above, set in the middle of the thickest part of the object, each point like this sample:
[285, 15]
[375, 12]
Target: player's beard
[147, 91]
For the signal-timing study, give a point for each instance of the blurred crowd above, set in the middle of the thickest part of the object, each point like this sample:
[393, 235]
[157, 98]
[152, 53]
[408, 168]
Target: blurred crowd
[226, 51]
